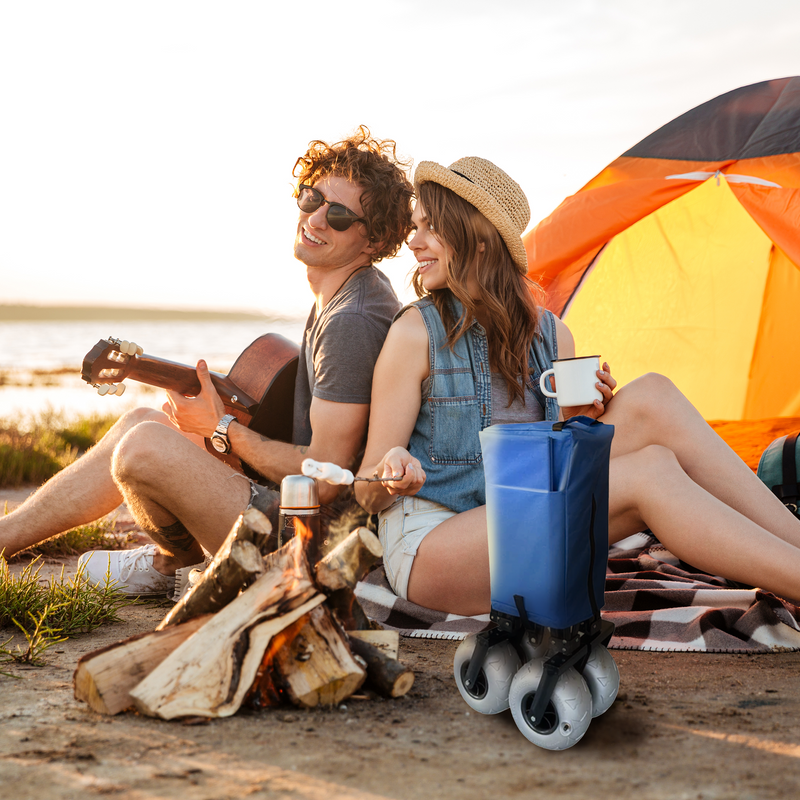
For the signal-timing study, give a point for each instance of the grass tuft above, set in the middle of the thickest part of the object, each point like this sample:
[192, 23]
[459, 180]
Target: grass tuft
[32, 452]
[100, 535]
[68, 606]
[40, 638]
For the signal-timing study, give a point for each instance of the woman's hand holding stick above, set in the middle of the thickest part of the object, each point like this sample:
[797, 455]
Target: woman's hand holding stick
[402, 474]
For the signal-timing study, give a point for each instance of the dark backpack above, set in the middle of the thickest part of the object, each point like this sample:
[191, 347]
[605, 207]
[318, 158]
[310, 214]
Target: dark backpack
[779, 466]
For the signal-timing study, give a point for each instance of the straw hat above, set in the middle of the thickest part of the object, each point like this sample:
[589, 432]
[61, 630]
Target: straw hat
[499, 198]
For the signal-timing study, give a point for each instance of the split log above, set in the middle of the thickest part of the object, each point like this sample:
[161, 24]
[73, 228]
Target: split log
[384, 674]
[236, 564]
[342, 569]
[104, 677]
[349, 561]
[209, 674]
[316, 667]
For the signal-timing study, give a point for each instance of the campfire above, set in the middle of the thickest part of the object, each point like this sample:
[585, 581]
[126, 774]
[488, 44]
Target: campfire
[255, 630]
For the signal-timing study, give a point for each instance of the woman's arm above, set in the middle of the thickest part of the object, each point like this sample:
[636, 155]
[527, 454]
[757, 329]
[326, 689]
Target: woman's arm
[396, 396]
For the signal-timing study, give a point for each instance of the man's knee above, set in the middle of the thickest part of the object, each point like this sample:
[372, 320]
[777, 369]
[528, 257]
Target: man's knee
[130, 419]
[140, 448]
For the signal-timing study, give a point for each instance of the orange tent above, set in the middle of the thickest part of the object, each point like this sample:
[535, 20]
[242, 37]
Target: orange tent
[683, 255]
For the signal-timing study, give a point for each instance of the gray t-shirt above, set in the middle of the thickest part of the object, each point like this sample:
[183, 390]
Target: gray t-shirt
[340, 347]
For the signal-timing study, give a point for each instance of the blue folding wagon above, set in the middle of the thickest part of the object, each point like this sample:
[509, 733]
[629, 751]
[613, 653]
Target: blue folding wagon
[547, 517]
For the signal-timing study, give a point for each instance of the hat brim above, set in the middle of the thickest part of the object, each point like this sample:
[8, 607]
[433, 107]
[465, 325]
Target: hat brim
[431, 172]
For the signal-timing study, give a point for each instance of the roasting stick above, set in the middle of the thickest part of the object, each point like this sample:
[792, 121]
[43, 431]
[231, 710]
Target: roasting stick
[331, 473]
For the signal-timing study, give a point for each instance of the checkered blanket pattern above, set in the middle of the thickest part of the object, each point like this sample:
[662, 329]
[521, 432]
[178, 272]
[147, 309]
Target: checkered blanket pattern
[655, 601]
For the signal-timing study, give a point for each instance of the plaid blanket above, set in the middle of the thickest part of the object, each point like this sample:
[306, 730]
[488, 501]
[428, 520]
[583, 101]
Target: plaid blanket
[656, 602]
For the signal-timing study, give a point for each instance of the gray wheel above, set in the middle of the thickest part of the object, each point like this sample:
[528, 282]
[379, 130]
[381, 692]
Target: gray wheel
[489, 695]
[567, 715]
[602, 678]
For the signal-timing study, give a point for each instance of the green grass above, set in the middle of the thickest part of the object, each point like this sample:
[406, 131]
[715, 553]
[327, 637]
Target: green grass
[100, 535]
[64, 606]
[47, 611]
[34, 451]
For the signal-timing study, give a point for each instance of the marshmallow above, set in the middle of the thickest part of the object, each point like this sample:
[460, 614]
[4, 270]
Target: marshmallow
[325, 471]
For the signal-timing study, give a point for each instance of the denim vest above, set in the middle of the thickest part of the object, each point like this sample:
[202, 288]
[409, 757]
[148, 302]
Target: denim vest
[459, 406]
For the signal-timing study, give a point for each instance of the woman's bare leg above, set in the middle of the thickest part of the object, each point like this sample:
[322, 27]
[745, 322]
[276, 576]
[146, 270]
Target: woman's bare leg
[652, 411]
[649, 488]
[451, 569]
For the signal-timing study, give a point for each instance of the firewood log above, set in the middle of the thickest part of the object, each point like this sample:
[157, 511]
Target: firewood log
[341, 569]
[236, 564]
[349, 561]
[384, 674]
[209, 674]
[316, 667]
[349, 612]
[104, 677]
[387, 642]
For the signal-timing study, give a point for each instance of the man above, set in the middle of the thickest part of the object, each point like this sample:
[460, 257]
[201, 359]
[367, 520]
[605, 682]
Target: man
[355, 209]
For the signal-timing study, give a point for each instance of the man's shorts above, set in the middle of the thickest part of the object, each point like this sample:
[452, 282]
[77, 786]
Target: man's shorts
[401, 529]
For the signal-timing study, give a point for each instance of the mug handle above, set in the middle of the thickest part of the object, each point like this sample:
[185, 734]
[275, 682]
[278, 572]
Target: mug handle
[542, 379]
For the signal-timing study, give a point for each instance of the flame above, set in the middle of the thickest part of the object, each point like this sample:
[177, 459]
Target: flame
[307, 532]
[304, 529]
[267, 689]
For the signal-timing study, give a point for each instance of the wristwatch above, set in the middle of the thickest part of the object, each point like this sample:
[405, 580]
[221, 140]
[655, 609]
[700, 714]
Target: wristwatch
[219, 439]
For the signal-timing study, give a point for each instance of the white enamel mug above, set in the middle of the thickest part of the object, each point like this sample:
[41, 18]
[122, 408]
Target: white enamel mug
[575, 381]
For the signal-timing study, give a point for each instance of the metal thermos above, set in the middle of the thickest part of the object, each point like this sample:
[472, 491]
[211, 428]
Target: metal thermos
[299, 498]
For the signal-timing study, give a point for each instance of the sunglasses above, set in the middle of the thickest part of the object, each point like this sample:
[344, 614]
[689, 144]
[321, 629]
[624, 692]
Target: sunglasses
[339, 217]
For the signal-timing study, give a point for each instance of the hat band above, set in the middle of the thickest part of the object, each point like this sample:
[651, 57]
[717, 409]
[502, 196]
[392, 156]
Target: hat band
[462, 175]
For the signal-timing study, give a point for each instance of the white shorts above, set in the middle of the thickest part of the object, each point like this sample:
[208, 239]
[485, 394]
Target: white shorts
[401, 529]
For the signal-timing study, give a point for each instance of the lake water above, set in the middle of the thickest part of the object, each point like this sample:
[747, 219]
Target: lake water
[30, 346]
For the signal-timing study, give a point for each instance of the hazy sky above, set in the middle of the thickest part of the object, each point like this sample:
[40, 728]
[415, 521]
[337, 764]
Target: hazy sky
[146, 147]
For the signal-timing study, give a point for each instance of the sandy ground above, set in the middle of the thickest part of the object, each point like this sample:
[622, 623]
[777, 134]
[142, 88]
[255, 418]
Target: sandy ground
[684, 726]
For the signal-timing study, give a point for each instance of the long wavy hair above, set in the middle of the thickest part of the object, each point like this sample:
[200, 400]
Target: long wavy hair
[510, 298]
[373, 164]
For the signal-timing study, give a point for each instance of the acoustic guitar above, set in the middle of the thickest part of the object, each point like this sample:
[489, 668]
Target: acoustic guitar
[258, 391]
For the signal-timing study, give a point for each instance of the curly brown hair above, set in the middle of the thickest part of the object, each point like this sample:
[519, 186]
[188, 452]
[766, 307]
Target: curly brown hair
[511, 299]
[373, 165]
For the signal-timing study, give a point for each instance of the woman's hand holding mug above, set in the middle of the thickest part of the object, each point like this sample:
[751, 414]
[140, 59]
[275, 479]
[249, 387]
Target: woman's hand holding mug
[581, 387]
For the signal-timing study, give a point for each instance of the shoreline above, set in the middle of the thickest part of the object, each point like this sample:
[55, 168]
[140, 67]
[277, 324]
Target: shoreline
[28, 394]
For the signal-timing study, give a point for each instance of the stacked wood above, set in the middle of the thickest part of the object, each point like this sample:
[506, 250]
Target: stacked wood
[210, 673]
[257, 628]
[315, 667]
[339, 572]
[104, 678]
[236, 564]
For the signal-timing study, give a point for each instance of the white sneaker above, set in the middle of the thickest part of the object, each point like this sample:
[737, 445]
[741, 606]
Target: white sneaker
[131, 571]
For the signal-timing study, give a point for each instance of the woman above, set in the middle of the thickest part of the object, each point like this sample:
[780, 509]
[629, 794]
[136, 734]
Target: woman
[458, 359]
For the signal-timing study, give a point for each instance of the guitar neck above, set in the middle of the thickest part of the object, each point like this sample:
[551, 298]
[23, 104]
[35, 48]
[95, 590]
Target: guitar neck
[183, 379]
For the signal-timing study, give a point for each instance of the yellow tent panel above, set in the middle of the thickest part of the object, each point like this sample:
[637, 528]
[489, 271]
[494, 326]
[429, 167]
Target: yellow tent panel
[655, 301]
